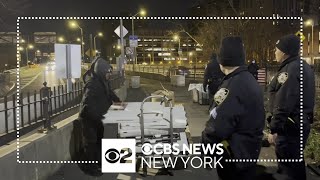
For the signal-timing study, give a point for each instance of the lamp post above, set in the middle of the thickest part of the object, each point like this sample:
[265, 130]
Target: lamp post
[94, 40]
[74, 24]
[30, 46]
[177, 38]
[310, 22]
[142, 12]
[149, 55]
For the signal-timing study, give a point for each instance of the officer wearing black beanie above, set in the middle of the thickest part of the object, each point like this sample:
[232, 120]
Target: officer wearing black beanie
[237, 117]
[284, 106]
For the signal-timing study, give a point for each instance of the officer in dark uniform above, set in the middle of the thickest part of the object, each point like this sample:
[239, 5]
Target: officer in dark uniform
[288, 118]
[253, 69]
[97, 98]
[213, 77]
[237, 117]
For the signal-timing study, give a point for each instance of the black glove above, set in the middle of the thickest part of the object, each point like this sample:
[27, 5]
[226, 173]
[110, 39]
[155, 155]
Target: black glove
[205, 88]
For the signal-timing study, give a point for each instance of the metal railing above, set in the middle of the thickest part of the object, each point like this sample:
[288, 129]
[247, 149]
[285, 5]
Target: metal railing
[31, 106]
[41, 106]
[191, 72]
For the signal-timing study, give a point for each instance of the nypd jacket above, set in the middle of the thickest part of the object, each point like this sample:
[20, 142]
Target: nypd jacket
[239, 116]
[285, 94]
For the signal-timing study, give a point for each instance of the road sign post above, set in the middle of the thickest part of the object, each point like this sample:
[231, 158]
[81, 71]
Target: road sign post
[121, 31]
[68, 62]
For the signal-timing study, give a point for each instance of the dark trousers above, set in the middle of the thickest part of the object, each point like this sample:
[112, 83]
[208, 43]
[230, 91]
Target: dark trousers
[289, 148]
[230, 171]
[92, 135]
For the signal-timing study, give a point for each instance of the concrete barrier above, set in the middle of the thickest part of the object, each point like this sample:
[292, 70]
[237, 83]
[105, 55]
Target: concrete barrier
[159, 77]
[36, 149]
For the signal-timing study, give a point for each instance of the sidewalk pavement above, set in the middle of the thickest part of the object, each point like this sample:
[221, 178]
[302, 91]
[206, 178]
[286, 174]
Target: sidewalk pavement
[197, 116]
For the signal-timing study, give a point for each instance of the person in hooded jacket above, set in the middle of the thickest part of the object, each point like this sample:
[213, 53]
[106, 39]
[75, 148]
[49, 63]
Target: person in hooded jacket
[237, 118]
[97, 99]
[213, 77]
[290, 120]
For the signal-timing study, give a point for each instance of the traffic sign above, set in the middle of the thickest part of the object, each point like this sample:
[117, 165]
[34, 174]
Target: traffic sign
[133, 41]
[92, 51]
[129, 51]
[117, 31]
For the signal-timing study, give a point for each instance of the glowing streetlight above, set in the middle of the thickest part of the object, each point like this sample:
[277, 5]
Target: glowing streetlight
[73, 24]
[61, 39]
[100, 34]
[78, 39]
[118, 47]
[190, 54]
[149, 55]
[310, 22]
[23, 41]
[30, 46]
[142, 12]
[175, 37]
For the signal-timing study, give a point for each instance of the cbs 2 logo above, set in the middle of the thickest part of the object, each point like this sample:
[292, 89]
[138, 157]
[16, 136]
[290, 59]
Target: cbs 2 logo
[113, 155]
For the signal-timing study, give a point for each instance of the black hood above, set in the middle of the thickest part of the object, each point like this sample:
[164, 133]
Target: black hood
[100, 69]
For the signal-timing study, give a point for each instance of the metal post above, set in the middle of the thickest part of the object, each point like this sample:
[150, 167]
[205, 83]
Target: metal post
[27, 54]
[122, 48]
[90, 48]
[312, 56]
[68, 63]
[45, 93]
[6, 113]
[82, 46]
[94, 43]
[134, 59]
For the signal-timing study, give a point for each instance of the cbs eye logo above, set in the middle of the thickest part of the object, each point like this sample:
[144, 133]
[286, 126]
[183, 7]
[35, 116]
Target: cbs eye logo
[113, 155]
[118, 156]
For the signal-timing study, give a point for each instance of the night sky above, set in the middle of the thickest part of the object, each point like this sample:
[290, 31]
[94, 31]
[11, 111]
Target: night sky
[109, 7]
[97, 8]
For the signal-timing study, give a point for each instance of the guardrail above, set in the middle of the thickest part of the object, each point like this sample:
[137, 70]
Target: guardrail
[167, 70]
[40, 106]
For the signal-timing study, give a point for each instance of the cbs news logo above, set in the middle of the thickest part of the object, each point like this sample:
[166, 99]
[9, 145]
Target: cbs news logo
[118, 155]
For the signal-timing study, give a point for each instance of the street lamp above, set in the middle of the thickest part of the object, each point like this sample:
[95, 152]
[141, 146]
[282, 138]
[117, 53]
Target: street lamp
[149, 55]
[94, 40]
[73, 24]
[177, 38]
[310, 22]
[30, 46]
[61, 39]
[142, 12]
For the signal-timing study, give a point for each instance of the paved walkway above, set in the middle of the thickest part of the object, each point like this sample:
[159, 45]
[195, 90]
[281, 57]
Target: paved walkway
[197, 116]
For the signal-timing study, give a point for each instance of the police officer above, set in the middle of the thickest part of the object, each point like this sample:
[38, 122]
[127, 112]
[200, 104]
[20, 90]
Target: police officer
[97, 98]
[284, 103]
[237, 117]
[253, 69]
[213, 77]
